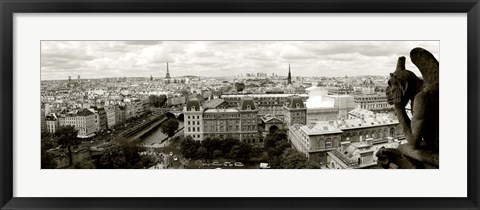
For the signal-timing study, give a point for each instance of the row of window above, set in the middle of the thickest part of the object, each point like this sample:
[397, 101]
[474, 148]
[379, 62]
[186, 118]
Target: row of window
[372, 98]
[193, 122]
[193, 129]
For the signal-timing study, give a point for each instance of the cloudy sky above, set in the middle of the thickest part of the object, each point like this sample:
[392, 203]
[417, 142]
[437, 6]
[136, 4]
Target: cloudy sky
[98, 59]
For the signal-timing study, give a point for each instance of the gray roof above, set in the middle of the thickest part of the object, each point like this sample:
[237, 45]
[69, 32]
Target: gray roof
[193, 103]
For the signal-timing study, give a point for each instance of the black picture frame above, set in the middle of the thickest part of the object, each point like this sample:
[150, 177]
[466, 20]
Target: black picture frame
[10, 7]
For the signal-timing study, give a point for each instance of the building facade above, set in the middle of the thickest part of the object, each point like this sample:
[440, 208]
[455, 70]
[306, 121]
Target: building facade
[267, 104]
[295, 111]
[111, 115]
[374, 102]
[83, 120]
[358, 154]
[51, 122]
[316, 139]
[239, 123]
[193, 119]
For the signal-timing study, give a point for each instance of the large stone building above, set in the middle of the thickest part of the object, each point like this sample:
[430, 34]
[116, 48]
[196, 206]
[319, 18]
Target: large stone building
[358, 154]
[51, 122]
[295, 111]
[100, 117]
[317, 138]
[111, 115]
[267, 104]
[239, 122]
[193, 116]
[83, 120]
[374, 102]
[323, 107]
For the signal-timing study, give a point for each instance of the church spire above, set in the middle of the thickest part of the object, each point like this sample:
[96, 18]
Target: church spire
[289, 75]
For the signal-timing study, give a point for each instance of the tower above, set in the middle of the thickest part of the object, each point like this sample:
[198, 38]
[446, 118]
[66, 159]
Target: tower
[193, 115]
[295, 111]
[151, 78]
[69, 78]
[289, 75]
[168, 73]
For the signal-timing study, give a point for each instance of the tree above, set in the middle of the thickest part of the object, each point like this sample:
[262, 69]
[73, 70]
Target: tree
[67, 138]
[47, 160]
[189, 147]
[113, 158]
[212, 144]
[217, 153]
[157, 101]
[275, 143]
[126, 155]
[241, 152]
[132, 154]
[227, 145]
[202, 152]
[147, 161]
[312, 165]
[169, 127]
[84, 164]
[239, 86]
[293, 159]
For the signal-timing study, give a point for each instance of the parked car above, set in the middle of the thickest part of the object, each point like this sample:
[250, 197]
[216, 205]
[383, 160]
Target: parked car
[227, 164]
[238, 164]
[175, 158]
[171, 153]
[216, 164]
[264, 166]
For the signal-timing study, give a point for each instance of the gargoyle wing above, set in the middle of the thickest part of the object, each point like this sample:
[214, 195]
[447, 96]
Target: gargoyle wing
[428, 66]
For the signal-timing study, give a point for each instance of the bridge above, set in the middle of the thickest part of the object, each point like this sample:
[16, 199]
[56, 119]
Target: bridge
[175, 114]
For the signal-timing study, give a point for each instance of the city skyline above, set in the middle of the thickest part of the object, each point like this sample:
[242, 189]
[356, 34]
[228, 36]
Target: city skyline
[103, 59]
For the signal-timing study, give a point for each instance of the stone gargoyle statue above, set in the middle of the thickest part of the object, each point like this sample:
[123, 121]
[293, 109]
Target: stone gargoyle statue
[421, 131]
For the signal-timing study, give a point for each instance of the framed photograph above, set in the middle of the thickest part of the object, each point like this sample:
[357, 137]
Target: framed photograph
[239, 105]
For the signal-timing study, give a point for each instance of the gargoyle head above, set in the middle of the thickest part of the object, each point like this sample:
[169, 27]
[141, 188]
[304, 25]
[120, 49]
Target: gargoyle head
[400, 85]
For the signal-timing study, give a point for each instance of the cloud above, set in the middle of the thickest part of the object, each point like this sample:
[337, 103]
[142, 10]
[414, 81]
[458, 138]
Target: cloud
[94, 59]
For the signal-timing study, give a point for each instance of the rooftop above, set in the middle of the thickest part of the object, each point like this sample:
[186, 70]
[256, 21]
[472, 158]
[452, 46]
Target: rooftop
[365, 122]
[214, 103]
[294, 102]
[362, 112]
[262, 95]
[318, 102]
[316, 128]
[221, 110]
[84, 112]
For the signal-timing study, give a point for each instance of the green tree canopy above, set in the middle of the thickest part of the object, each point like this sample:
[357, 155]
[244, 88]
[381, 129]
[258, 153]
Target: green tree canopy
[189, 147]
[67, 138]
[169, 127]
[157, 100]
[241, 152]
[240, 86]
[293, 159]
[125, 154]
[113, 158]
[84, 164]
